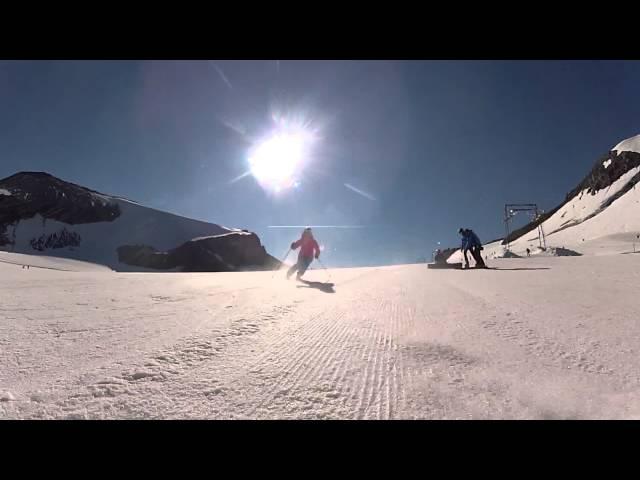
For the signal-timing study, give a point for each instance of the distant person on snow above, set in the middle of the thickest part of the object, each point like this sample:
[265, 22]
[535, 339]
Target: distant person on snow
[471, 242]
[309, 249]
[528, 252]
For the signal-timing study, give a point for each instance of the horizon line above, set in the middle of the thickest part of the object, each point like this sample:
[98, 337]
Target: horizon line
[316, 226]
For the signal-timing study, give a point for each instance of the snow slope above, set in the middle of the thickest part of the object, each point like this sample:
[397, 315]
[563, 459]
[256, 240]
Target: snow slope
[591, 217]
[136, 225]
[536, 338]
[620, 220]
[50, 263]
[84, 221]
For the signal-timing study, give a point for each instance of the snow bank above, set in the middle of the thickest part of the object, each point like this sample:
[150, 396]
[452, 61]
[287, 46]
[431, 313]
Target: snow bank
[7, 397]
[555, 252]
[5, 192]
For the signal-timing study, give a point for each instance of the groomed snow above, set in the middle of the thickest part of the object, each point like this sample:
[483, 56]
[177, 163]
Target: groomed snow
[535, 338]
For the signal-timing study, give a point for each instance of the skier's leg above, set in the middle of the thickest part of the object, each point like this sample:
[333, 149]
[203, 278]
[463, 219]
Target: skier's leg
[466, 259]
[477, 257]
[304, 265]
[474, 254]
[292, 269]
[481, 259]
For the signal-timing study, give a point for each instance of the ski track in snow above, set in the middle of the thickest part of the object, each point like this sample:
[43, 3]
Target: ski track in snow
[400, 342]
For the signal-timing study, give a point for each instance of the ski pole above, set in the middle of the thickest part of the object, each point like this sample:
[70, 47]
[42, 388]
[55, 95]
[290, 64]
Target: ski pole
[282, 262]
[326, 269]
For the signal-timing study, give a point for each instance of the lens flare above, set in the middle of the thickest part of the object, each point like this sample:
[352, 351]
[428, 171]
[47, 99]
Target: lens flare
[278, 160]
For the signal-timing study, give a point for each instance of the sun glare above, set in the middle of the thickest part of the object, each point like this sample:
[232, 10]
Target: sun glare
[277, 161]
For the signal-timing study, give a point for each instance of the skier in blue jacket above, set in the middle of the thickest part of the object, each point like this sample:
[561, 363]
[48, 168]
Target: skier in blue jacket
[471, 242]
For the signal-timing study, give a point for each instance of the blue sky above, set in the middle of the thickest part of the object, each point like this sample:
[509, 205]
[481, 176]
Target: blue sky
[435, 145]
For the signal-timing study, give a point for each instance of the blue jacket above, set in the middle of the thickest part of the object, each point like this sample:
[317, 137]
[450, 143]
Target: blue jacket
[470, 239]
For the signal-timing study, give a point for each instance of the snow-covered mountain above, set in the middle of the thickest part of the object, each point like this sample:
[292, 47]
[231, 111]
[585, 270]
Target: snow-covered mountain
[600, 216]
[604, 207]
[41, 214]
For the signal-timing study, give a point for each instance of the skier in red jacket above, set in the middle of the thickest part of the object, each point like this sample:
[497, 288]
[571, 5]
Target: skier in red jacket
[308, 249]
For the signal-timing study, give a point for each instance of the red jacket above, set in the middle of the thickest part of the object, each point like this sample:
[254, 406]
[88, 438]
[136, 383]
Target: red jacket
[308, 246]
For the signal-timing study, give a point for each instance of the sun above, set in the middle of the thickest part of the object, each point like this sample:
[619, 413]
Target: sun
[277, 161]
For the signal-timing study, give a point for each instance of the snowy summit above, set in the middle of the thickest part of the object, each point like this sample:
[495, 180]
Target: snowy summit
[629, 145]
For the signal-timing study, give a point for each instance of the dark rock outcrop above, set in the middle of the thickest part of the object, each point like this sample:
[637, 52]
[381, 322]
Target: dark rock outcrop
[63, 238]
[603, 177]
[236, 251]
[34, 193]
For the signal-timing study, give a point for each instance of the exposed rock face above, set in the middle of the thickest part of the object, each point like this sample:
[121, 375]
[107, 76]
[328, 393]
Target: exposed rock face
[60, 239]
[606, 171]
[26, 194]
[230, 252]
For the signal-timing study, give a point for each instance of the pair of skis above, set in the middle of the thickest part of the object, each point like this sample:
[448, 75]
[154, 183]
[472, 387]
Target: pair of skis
[304, 281]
